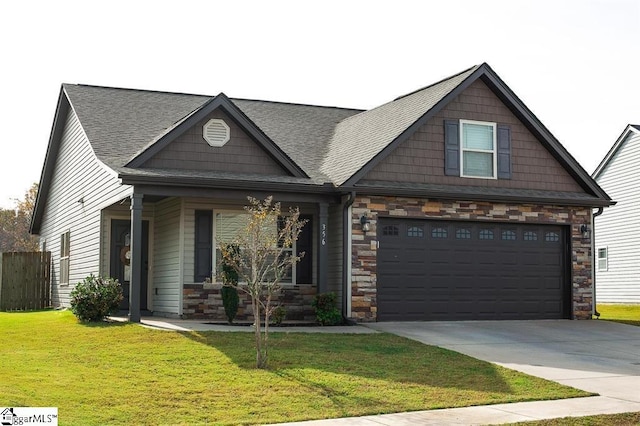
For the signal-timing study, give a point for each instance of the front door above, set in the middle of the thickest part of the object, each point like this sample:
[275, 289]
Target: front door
[120, 268]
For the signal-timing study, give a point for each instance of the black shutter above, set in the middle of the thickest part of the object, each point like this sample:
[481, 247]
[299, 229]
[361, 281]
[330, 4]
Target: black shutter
[451, 148]
[204, 245]
[305, 244]
[504, 152]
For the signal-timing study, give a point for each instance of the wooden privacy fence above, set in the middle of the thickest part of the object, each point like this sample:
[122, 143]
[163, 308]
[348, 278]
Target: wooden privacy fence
[25, 280]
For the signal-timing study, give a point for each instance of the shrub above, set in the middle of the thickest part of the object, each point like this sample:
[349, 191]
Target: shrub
[278, 315]
[95, 298]
[327, 312]
[229, 290]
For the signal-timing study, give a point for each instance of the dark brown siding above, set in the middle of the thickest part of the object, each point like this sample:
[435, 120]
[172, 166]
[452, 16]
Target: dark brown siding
[421, 158]
[240, 154]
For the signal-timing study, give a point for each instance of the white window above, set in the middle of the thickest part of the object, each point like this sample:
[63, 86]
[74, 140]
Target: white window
[603, 255]
[478, 153]
[65, 251]
[228, 225]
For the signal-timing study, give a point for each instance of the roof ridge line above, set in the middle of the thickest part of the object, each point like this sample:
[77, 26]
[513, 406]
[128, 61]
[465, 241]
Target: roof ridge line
[130, 89]
[297, 104]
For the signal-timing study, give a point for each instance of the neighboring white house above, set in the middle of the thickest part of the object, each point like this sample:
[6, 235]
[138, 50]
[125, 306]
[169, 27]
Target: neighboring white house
[617, 240]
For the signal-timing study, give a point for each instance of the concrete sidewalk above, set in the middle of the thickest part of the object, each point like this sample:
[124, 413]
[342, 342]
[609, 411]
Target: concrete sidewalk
[491, 414]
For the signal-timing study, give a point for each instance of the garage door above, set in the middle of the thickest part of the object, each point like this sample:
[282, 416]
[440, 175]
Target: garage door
[436, 270]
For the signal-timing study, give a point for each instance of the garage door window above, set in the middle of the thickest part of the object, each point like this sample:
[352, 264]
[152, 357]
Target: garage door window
[438, 233]
[463, 234]
[486, 234]
[552, 237]
[390, 231]
[415, 231]
[509, 235]
[530, 236]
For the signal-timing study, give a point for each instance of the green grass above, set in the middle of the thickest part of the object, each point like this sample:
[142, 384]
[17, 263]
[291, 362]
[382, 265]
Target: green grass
[626, 314]
[625, 419]
[126, 374]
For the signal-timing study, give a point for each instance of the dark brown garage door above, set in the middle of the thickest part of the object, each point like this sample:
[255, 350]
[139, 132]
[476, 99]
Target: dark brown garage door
[436, 270]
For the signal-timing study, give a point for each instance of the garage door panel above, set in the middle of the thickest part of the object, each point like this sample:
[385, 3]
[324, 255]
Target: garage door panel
[467, 270]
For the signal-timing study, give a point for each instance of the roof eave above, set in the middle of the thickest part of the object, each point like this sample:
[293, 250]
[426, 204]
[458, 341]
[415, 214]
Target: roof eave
[465, 196]
[233, 184]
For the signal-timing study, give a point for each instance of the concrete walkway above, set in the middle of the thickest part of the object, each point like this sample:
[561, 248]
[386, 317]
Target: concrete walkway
[596, 356]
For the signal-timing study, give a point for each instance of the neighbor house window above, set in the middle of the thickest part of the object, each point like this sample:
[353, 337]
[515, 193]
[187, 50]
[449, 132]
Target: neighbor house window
[478, 153]
[603, 256]
[65, 251]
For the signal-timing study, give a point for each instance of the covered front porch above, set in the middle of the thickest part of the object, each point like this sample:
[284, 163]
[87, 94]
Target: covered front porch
[162, 244]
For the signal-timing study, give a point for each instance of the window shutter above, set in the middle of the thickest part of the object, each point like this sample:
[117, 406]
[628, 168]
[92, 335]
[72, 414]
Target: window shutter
[204, 245]
[504, 152]
[305, 244]
[451, 148]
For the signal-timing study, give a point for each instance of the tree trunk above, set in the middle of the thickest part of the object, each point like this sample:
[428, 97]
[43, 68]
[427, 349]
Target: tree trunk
[261, 359]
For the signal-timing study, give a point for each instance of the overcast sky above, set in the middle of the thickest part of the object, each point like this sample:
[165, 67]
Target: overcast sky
[575, 64]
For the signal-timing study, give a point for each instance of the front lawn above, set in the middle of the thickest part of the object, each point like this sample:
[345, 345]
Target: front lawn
[127, 374]
[626, 314]
[625, 419]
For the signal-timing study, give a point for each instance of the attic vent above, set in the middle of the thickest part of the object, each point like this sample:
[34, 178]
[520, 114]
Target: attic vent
[216, 132]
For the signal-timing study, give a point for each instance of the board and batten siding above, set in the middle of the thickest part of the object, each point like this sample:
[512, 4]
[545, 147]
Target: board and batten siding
[79, 188]
[616, 228]
[167, 285]
[335, 258]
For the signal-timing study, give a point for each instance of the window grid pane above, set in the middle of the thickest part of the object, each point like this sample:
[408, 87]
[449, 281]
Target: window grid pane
[478, 164]
[509, 235]
[390, 231]
[415, 231]
[486, 234]
[530, 236]
[552, 237]
[438, 233]
[477, 136]
[463, 234]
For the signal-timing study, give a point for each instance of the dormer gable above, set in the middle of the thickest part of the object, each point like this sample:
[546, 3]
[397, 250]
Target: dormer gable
[185, 144]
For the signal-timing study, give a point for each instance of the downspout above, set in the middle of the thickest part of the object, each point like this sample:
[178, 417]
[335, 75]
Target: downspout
[346, 256]
[594, 256]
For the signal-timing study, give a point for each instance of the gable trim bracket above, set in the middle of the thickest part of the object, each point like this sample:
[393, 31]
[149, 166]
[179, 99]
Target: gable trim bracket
[219, 102]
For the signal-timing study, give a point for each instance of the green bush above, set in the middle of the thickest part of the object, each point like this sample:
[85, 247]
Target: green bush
[95, 298]
[326, 307]
[229, 290]
[278, 315]
[230, 301]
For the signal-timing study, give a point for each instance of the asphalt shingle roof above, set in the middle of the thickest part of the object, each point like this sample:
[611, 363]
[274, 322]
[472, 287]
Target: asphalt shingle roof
[359, 138]
[123, 122]
[120, 122]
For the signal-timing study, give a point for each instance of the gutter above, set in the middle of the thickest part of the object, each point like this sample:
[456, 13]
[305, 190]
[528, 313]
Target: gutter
[594, 311]
[346, 256]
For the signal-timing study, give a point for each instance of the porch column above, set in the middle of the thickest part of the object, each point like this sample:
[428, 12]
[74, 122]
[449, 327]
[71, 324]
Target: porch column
[136, 258]
[323, 247]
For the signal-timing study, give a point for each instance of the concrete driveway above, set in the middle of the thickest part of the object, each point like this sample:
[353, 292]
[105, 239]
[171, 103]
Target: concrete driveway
[595, 356]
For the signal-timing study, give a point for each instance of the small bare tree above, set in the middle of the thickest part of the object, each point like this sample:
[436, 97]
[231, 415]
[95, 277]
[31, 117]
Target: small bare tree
[262, 259]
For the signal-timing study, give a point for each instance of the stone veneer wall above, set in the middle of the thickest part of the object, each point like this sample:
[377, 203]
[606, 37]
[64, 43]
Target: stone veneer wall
[203, 301]
[364, 246]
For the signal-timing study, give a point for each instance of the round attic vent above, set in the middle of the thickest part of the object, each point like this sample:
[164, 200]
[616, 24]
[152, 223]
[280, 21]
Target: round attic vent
[216, 132]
